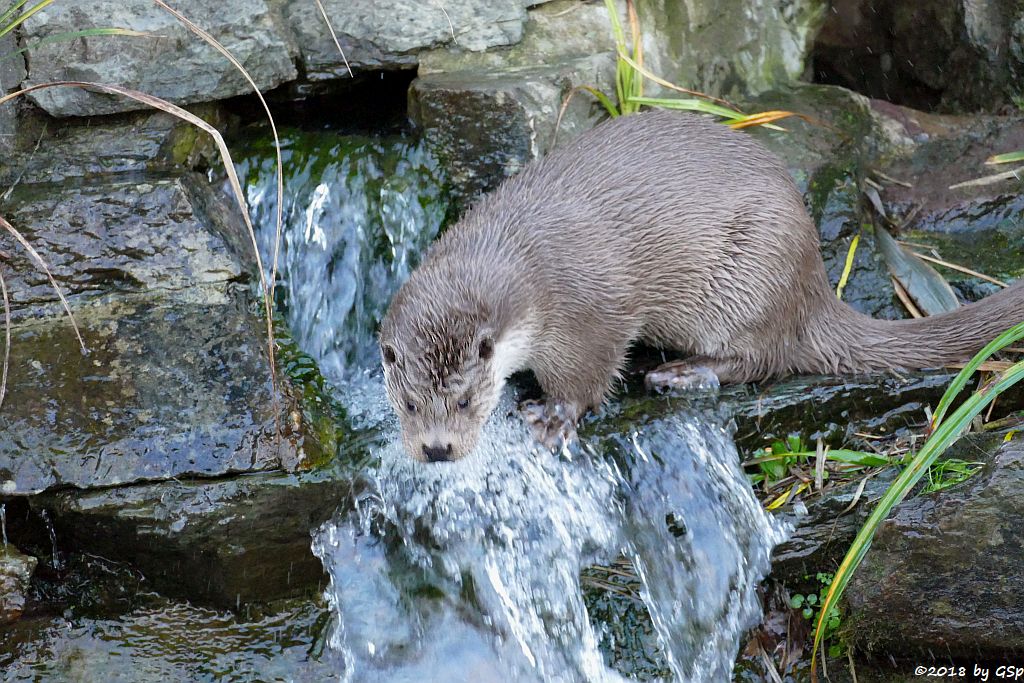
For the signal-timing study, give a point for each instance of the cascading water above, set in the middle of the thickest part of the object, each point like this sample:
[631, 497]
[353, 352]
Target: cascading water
[472, 570]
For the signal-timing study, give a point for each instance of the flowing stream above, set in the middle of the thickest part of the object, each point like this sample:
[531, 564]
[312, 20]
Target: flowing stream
[476, 570]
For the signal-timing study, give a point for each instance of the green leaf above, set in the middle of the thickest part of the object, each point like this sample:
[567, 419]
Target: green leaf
[796, 602]
[688, 104]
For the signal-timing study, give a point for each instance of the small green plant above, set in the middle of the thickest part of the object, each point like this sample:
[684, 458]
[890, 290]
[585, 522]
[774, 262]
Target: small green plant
[950, 472]
[942, 433]
[810, 607]
[774, 465]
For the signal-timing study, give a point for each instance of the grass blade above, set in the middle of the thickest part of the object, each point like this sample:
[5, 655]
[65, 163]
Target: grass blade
[1013, 334]
[46, 269]
[847, 267]
[672, 86]
[9, 12]
[330, 27]
[703, 106]
[1008, 158]
[5, 29]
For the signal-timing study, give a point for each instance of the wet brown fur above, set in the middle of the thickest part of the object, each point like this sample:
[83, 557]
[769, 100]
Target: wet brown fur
[661, 227]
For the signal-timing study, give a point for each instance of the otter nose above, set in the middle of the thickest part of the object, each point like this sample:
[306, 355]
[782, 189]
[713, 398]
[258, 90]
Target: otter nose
[437, 452]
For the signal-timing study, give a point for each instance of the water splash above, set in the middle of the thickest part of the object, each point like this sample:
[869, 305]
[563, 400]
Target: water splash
[357, 213]
[58, 564]
[477, 564]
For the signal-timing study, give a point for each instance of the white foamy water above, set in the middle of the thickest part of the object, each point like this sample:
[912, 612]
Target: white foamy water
[470, 571]
[475, 566]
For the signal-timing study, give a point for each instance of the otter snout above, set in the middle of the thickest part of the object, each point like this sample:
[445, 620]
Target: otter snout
[438, 452]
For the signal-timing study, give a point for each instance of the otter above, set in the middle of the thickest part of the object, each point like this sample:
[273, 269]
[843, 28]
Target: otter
[661, 227]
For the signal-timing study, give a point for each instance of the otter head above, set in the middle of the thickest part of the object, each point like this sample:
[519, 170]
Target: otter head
[443, 378]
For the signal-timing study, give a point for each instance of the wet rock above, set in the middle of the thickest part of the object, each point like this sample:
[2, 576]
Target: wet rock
[375, 35]
[226, 542]
[154, 64]
[15, 573]
[940, 573]
[980, 226]
[177, 381]
[830, 408]
[133, 142]
[169, 389]
[948, 54]
[124, 234]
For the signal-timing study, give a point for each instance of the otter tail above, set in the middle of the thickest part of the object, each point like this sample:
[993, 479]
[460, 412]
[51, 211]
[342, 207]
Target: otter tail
[848, 341]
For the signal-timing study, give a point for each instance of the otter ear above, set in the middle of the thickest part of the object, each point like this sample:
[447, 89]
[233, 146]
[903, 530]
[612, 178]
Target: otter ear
[387, 351]
[486, 348]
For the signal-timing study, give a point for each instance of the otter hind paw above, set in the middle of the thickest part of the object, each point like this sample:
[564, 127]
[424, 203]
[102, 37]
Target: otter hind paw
[552, 424]
[682, 375]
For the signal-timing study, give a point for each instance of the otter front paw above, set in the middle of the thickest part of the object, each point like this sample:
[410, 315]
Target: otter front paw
[684, 375]
[553, 424]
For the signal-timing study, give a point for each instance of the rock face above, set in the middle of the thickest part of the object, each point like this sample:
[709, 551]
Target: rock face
[942, 572]
[157, 268]
[15, 572]
[154, 64]
[948, 54]
[226, 542]
[389, 35]
[731, 47]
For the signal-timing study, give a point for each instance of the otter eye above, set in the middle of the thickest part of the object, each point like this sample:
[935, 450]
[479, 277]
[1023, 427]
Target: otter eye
[463, 404]
[410, 406]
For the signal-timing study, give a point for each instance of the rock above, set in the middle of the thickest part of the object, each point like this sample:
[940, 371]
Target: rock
[485, 126]
[177, 381]
[487, 114]
[126, 234]
[169, 389]
[830, 408]
[730, 48]
[132, 142]
[12, 72]
[154, 64]
[15, 573]
[224, 542]
[940, 575]
[375, 35]
[948, 54]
